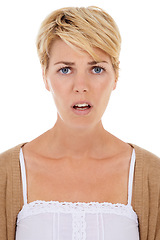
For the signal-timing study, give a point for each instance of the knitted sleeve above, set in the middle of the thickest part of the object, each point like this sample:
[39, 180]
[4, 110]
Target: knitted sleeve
[11, 200]
[3, 180]
[158, 224]
[154, 198]
[146, 193]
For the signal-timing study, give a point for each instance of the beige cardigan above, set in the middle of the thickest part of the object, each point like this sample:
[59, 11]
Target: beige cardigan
[145, 201]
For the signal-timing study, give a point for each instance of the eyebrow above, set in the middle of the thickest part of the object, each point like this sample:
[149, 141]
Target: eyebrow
[95, 62]
[72, 63]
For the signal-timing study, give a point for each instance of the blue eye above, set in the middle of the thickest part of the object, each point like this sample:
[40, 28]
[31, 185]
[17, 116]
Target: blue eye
[97, 69]
[65, 70]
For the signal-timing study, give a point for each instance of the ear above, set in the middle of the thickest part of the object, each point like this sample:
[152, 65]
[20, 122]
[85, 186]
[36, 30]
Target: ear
[44, 75]
[116, 75]
[115, 84]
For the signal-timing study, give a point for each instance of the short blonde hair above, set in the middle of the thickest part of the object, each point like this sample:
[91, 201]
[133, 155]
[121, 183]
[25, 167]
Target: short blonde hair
[82, 27]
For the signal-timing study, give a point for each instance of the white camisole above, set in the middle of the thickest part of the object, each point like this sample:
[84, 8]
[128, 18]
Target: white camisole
[40, 220]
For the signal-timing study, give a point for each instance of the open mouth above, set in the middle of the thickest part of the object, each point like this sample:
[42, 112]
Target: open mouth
[83, 106]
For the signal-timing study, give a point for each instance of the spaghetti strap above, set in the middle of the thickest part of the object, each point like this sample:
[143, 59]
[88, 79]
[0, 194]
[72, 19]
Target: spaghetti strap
[23, 174]
[131, 175]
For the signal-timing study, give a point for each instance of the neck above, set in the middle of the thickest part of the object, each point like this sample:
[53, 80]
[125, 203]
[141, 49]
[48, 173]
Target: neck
[79, 143]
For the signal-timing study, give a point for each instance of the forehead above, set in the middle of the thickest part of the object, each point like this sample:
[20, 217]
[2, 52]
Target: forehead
[61, 51]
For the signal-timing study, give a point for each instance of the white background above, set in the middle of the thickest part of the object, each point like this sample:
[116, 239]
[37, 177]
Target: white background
[27, 109]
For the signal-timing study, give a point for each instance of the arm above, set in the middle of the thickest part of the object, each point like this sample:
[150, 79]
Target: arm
[11, 198]
[157, 235]
[3, 180]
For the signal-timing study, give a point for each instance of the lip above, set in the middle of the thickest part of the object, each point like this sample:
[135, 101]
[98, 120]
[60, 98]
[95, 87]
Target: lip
[82, 112]
[81, 102]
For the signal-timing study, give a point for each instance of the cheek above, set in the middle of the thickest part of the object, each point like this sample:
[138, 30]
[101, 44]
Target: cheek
[104, 88]
[59, 84]
[60, 93]
[103, 92]
[55, 87]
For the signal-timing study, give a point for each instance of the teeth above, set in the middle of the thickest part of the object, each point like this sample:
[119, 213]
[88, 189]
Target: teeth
[82, 105]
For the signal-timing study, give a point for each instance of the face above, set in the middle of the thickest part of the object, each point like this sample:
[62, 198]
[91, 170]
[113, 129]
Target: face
[74, 77]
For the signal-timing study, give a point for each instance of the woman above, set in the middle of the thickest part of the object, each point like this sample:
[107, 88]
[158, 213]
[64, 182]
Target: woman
[75, 181]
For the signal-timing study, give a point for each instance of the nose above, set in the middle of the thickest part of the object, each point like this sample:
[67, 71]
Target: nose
[80, 83]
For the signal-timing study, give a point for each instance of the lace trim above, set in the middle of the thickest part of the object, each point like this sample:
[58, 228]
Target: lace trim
[79, 226]
[38, 207]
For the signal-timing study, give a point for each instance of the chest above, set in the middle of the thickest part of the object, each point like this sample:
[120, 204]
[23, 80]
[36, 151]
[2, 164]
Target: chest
[99, 181]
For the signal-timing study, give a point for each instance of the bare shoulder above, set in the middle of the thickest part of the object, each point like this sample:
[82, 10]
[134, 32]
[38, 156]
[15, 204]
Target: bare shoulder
[119, 147]
[115, 148]
[37, 146]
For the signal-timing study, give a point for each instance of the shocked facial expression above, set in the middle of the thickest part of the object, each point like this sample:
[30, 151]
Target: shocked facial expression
[81, 87]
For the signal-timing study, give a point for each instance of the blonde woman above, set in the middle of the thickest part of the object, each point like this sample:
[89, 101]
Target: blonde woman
[78, 181]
